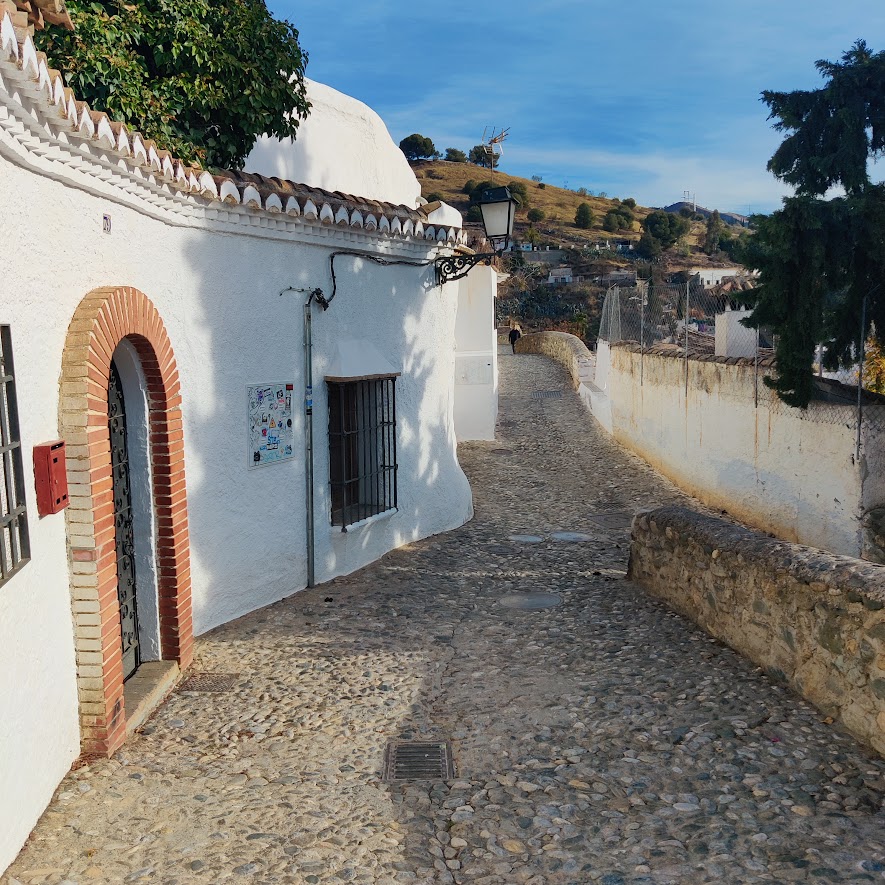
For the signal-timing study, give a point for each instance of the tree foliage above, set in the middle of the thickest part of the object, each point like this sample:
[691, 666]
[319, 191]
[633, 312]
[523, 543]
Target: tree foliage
[483, 155]
[874, 366]
[203, 79]
[665, 227]
[584, 216]
[520, 191]
[453, 155]
[821, 259]
[479, 188]
[619, 217]
[649, 247]
[535, 215]
[474, 213]
[417, 147]
[713, 233]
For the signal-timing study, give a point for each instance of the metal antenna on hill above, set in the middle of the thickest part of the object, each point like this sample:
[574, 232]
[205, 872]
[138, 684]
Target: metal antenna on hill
[493, 145]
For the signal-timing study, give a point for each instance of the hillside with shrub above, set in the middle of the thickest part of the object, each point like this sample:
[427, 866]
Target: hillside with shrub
[559, 218]
[595, 235]
[549, 210]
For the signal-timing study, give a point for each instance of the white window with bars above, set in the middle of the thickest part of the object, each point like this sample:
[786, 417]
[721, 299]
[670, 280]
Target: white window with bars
[362, 448]
[15, 548]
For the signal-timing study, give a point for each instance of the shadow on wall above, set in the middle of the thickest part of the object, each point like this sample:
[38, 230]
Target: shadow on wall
[248, 525]
[413, 324]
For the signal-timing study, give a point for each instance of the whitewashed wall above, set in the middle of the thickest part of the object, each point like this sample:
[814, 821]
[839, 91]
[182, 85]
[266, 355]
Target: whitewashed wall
[476, 355]
[219, 296]
[771, 468]
[343, 145]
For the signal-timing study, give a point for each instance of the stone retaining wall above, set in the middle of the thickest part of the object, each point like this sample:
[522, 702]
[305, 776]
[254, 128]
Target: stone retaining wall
[564, 348]
[813, 619]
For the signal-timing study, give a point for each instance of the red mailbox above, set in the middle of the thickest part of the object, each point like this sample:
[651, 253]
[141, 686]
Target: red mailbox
[50, 477]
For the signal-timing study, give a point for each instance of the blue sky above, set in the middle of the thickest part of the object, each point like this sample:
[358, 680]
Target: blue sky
[644, 99]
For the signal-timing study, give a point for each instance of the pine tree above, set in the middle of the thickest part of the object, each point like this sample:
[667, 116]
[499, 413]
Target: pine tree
[820, 260]
[714, 233]
[584, 216]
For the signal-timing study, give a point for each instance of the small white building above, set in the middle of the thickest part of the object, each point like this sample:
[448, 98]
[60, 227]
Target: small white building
[560, 275]
[179, 331]
[712, 276]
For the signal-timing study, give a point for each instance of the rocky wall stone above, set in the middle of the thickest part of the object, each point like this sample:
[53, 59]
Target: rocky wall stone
[560, 346]
[812, 619]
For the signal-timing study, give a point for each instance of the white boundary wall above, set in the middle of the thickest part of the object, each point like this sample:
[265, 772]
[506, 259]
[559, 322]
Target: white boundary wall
[771, 468]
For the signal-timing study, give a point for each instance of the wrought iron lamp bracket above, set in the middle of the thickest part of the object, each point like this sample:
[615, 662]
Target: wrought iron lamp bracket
[454, 267]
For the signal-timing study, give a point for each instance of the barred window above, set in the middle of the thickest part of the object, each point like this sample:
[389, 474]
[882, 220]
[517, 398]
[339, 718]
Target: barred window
[15, 548]
[362, 448]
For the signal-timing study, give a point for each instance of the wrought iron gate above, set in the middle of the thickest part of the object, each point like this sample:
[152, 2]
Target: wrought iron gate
[123, 524]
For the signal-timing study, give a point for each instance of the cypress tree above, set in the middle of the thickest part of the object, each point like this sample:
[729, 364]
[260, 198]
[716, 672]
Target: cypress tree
[819, 259]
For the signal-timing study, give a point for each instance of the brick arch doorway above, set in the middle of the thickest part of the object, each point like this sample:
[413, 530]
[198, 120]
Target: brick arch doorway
[103, 321]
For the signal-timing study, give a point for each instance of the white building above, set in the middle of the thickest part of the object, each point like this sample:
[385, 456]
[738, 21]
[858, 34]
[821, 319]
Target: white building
[712, 276]
[561, 274]
[157, 315]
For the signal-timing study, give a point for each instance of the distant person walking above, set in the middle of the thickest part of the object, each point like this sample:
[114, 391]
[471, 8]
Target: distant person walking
[515, 335]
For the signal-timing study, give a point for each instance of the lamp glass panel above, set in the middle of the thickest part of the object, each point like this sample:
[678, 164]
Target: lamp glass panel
[497, 218]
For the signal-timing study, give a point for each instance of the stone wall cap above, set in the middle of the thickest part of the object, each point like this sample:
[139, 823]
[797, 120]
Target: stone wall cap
[805, 564]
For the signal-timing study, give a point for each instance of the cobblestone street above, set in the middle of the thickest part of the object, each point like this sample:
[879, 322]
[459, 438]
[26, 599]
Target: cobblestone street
[602, 740]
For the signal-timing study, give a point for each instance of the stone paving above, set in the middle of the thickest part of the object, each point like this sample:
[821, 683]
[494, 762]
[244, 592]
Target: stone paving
[604, 740]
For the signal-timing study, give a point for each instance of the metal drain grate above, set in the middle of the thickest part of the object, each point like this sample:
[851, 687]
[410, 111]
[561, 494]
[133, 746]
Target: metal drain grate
[616, 521]
[209, 682]
[547, 394]
[419, 760]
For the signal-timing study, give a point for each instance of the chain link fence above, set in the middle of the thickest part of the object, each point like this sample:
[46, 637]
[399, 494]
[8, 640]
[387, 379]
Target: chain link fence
[549, 307]
[693, 322]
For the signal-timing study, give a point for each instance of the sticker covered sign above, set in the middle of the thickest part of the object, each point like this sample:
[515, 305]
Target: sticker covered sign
[271, 435]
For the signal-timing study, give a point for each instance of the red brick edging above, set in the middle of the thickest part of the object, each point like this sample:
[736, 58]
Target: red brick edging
[102, 320]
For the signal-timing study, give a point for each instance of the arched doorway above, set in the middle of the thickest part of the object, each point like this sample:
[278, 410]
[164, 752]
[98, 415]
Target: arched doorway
[117, 344]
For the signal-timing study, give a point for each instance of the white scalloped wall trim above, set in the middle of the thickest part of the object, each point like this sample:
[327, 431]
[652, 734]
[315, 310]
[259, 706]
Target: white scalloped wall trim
[23, 68]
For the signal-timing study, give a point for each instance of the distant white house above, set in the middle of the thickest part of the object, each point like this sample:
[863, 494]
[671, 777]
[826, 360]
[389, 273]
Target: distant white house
[712, 276]
[561, 274]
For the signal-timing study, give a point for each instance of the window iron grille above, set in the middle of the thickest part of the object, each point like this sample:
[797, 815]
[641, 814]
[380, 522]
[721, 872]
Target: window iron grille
[15, 548]
[362, 448]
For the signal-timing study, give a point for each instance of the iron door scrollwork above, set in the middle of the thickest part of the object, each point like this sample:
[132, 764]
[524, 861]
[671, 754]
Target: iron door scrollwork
[125, 539]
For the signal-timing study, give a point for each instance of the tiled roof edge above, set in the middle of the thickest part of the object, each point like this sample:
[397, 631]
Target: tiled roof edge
[36, 14]
[673, 351]
[19, 55]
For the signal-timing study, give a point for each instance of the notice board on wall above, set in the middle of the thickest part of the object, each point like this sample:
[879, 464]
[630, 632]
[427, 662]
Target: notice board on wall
[271, 435]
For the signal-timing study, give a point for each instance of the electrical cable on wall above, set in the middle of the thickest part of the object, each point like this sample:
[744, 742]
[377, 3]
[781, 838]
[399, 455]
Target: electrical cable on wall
[324, 302]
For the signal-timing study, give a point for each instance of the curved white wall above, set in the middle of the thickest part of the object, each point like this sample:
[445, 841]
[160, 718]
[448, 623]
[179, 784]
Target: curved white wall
[343, 145]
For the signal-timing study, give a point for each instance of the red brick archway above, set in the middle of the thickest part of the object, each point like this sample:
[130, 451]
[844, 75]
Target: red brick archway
[102, 320]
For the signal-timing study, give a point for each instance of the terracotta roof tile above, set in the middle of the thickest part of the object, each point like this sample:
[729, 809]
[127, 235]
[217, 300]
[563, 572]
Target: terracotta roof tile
[274, 195]
[39, 13]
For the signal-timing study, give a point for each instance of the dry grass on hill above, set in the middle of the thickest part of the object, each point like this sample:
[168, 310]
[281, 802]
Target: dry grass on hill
[558, 204]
